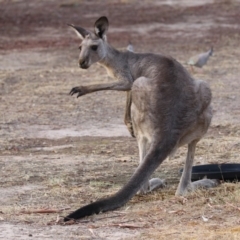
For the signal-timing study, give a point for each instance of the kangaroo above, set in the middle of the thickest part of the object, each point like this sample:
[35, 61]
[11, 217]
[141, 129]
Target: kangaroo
[168, 109]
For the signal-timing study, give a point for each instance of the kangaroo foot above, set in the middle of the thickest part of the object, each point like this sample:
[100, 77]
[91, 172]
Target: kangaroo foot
[203, 183]
[152, 185]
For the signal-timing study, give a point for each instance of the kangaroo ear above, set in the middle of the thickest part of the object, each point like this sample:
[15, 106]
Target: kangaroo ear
[81, 32]
[101, 27]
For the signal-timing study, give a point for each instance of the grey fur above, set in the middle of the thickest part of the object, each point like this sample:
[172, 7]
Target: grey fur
[168, 110]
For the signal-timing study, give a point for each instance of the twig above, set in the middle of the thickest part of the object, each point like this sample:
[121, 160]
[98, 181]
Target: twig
[58, 219]
[120, 212]
[92, 232]
[180, 211]
[231, 205]
[125, 226]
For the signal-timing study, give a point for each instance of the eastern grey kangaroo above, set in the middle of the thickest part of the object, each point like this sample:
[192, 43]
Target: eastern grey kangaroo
[168, 109]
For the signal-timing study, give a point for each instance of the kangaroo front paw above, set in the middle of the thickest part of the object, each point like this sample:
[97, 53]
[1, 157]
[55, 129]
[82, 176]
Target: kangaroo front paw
[80, 90]
[130, 129]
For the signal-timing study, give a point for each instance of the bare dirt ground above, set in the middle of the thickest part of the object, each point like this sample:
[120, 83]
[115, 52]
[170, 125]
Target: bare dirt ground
[59, 152]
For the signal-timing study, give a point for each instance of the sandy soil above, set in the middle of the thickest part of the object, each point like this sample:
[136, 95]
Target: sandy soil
[58, 152]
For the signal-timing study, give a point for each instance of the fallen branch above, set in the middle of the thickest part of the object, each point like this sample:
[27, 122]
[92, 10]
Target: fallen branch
[94, 219]
[44, 210]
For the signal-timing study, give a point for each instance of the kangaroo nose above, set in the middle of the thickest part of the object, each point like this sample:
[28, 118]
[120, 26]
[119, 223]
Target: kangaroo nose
[82, 63]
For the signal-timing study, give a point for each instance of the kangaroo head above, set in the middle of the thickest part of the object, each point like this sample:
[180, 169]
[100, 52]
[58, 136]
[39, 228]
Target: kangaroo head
[93, 45]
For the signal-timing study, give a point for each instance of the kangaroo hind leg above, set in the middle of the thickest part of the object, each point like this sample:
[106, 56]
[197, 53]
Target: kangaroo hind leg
[144, 130]
[154, 183]
[185, 184]
[191, 137]
[185, 181]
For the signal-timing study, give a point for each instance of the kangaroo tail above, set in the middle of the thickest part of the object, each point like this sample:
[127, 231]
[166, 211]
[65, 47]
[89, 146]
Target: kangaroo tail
[157, 153]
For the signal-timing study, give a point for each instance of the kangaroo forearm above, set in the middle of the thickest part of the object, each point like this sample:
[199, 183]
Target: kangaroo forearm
[108, 86]
[83, 90]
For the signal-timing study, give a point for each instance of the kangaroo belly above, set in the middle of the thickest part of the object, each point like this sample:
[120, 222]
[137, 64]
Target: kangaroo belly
[141, 111]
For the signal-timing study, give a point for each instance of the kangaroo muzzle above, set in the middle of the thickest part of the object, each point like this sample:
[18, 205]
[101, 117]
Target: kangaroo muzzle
[83, 64]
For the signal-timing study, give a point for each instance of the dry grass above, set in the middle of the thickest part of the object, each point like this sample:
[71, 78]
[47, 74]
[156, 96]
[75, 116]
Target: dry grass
[44, 168]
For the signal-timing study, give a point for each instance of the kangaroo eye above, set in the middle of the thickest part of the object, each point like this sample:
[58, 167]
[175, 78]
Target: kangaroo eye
[94, 47]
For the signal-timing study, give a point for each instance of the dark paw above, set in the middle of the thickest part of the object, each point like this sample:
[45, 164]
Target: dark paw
[130, 129]
[79, 90]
